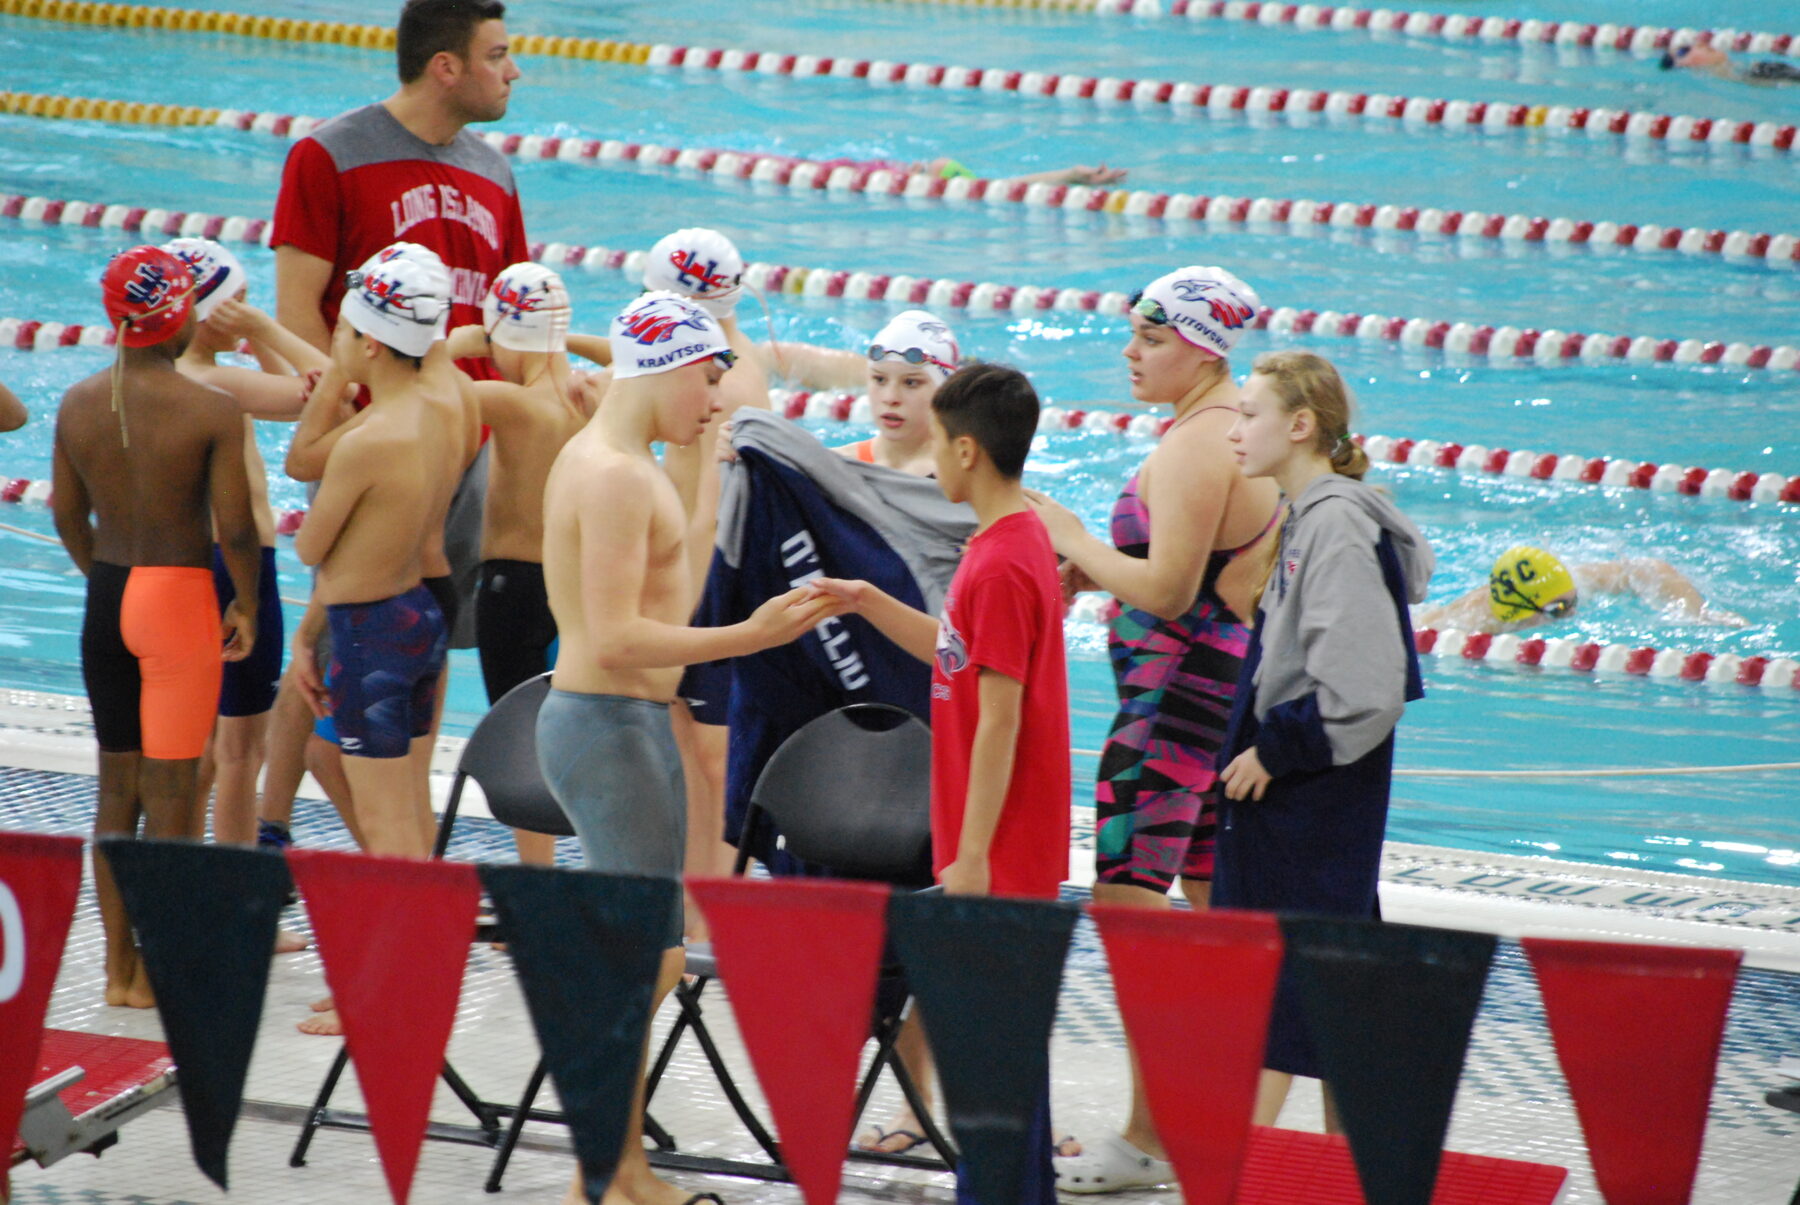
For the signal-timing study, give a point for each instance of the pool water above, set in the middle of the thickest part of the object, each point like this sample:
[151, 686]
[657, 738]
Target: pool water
[1743, 557]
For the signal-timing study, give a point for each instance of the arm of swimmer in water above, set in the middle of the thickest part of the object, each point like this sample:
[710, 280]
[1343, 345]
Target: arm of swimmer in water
[613, 518]
[12, 410]
[910, 628]
[595, 348]
[1469, 613]
[321, 424]
[1656, 582]
[348, 475]
[71, 507]
[228, 484]
[300, 280]
[817, 367]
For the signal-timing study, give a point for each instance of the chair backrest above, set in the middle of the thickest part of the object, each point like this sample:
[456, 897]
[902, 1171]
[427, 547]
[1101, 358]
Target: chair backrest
[852, 791]
[502, 756]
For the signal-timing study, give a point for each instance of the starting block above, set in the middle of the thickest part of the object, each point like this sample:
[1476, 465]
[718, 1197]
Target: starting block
[1285, 1166]
[88, 1086]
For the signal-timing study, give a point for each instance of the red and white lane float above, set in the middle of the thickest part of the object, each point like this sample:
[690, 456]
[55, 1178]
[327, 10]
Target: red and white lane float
[1231, 100]
[1501, 345]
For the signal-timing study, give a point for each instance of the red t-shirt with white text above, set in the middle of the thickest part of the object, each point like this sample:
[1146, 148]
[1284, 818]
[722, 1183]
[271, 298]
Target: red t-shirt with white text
[1003, 612]
[362, 181]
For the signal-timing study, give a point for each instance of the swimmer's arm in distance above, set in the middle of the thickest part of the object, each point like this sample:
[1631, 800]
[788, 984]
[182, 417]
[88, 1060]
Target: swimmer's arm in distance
[594, 348]
[1656, 582]
[322, 423]
[300, 280]
[228, 484]
[351, 469]
[614, 508]
[1468, 613]
[12, 410]
[70, 506]
[815, 367]
[910, 628]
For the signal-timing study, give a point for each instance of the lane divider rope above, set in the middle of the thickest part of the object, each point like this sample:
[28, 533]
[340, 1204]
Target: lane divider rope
[1468, 27]
[1218, 100]
[872, 179]
[1504, 344]
[1569, 469]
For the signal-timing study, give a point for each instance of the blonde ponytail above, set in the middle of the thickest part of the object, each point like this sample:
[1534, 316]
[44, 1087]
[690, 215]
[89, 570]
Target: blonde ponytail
[1303, 381]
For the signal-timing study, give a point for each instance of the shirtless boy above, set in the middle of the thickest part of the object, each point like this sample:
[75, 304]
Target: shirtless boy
[146, 460]
[531, 412]
[622, 569]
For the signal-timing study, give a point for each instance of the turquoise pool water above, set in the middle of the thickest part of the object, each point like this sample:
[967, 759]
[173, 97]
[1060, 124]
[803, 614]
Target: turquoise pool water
[1476, 717]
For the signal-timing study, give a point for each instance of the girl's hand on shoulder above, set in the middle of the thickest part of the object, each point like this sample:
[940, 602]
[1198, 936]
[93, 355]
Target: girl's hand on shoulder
[1064, 527]
[1245, 777]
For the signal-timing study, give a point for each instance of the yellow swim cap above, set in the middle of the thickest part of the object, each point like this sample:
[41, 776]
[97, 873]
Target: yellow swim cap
[1524, 580]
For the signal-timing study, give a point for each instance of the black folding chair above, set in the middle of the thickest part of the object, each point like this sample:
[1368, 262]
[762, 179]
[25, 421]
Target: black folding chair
[851, 791]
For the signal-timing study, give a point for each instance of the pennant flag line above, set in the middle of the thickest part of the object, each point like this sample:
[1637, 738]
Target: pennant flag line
[205, 917]
[986, 973]
[394, 936]
[587, 948]
[1178, 974]
[1637, 1029]
[39, 879]
[1390, 1008]
[800, 959]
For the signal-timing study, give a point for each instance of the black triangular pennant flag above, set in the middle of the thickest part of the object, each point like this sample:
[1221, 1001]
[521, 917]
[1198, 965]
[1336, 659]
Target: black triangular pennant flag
[205, 917]
[587, 948]
[1390, 1008]
[986, 972]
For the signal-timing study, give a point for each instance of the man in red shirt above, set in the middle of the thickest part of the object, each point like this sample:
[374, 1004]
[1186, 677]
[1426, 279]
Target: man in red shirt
[404, 169]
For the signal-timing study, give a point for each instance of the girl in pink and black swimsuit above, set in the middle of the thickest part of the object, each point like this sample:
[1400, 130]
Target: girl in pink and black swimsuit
[1176, 644]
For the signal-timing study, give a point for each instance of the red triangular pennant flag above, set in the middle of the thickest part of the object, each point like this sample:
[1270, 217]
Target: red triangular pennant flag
[1637, 1030]
[394, 936]
[39, 879]
[799, 958]
[1178, 974]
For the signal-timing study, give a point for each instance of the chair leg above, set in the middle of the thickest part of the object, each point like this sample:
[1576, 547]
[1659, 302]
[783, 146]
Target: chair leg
[448, 821]
[654, 1131]
[667, 1052]
[485, 1114]
[503, 1155]
[886, 1037]
[316, 1114]
[690, 1008]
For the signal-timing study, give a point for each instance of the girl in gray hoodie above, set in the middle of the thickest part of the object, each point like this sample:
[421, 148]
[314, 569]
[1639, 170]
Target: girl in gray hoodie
[1309, 751]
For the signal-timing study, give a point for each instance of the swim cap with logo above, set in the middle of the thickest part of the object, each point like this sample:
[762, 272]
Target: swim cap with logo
[699, 264]
[526, 309]
[916, 337]
[420, 254]
[1526, 581]
[148, 294]
[218, 276]
[399, 301]
[1208, 307]
[660, 332]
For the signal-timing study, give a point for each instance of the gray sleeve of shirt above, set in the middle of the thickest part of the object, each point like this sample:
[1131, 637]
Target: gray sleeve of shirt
[1353, 644]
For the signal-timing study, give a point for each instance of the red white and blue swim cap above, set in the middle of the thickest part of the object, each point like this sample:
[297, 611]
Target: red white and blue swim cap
[1208, 307]
[660, 332]
[916, 337]
[148, 295]
[700, 264]
[398, 300]
[526, 309]
[218, 276]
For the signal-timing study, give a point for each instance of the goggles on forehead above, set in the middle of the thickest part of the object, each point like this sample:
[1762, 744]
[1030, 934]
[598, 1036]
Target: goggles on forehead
[1148, 308]
[726, 358]
[912, 355]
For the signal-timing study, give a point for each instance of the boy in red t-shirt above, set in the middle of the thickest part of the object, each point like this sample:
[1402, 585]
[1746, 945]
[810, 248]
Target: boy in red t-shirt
[999, 688]
[999, 684]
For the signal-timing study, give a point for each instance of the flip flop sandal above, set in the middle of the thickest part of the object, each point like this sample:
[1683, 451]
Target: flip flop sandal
[912, 1140]
[1111, 1165]
[698, 1197]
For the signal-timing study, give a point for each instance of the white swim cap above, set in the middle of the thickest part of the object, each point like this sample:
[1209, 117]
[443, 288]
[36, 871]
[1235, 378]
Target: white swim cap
[526, 309]
[1208, 307]
[218, 276]
[917, 337]
[698, 264]
[399, 300]
[660, 332]
[419, 254]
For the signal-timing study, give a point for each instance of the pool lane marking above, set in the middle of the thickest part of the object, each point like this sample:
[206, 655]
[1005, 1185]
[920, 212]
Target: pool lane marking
[805, 175]
[1504, 344]
[1642, 40]
[1217, 100]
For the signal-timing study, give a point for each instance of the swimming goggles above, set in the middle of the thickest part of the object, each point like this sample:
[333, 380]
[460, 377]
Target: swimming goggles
[912, 355]
[1148, 308]
[389, 302]
[1504, 591]
[726, 358]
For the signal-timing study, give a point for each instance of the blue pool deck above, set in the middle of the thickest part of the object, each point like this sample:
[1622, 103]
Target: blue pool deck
[1512, 1102]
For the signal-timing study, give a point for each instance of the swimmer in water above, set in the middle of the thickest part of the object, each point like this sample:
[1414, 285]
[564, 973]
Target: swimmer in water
[1713, 61]
[12, 410]
[1528, 587]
